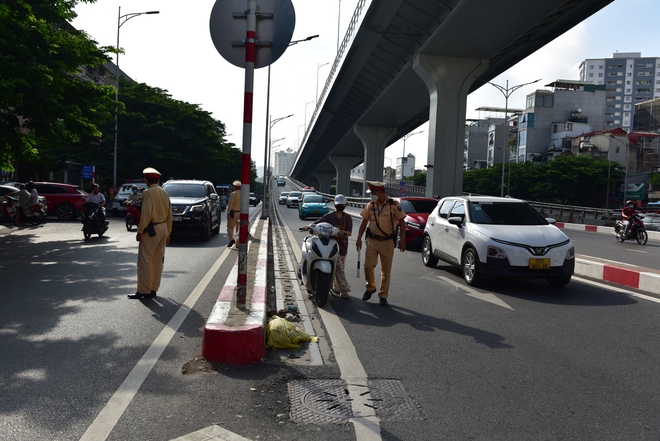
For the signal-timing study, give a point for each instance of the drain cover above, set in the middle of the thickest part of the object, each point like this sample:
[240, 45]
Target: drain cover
[329, 401]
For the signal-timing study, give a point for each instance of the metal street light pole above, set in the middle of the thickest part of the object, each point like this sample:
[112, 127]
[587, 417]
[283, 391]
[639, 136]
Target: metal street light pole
[507, 91]
[125, 18]
[264, 210]
[403, 157]
[269, 143]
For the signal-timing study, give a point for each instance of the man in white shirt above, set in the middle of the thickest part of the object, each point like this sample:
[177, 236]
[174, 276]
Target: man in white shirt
[97, 197]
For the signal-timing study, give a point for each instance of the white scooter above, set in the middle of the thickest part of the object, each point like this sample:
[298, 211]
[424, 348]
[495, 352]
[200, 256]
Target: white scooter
[319, 260]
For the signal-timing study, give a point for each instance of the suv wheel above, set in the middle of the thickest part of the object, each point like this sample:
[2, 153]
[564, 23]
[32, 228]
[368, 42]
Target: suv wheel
[65, 211]
[470, 264]
[216, 230]
[206, 232]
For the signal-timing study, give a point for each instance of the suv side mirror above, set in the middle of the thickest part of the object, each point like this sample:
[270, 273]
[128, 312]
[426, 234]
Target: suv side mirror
[456, 221]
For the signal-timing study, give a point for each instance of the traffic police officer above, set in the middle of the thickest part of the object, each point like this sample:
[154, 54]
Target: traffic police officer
[381, 215]
[233, 212]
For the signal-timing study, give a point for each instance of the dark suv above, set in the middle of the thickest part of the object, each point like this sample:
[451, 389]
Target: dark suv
[195, 207]
[64, 200]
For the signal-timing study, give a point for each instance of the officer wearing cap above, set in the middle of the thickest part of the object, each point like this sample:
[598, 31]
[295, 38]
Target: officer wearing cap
[380, 218]
[233, 212]
[153, 233]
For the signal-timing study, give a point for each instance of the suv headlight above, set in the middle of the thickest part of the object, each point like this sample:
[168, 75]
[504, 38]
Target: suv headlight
[496, 253]
[413, 224]
[199, 207]
[570, 254]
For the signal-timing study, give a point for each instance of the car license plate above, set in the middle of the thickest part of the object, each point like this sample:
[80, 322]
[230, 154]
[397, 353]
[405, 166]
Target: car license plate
[316, 211]
[176, 218]
[539, 264]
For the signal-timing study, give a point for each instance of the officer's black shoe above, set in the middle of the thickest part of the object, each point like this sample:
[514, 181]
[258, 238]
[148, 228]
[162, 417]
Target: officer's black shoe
[152, 294]
[383, 302]
[367, 295]
[231, 242]
[138, 295]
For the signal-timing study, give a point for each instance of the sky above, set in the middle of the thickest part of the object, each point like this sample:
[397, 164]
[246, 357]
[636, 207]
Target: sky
[173, 51]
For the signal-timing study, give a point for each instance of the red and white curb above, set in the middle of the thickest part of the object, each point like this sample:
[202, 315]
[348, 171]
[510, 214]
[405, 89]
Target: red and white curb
[610, 271]
[242, 344]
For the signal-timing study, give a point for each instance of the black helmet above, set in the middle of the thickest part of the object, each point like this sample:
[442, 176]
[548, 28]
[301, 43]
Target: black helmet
[30, 185]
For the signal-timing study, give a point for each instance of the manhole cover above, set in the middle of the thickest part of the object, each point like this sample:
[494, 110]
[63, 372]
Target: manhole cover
[329, 401]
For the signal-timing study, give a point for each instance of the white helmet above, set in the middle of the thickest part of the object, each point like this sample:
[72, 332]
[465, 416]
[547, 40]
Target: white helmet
[340, 199]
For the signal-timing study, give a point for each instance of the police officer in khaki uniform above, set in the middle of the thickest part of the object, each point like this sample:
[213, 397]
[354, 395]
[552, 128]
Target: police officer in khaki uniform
[233, 212]
[153, 234]
[381, 216]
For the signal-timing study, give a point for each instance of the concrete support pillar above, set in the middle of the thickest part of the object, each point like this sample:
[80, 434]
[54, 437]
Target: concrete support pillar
[344, 164]
[375, 139]
[325, 181]
[449, 80]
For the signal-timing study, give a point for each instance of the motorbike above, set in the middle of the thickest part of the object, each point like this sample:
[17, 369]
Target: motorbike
[132, 214]
[91, 222]
[33, 214]
[319, 260]
[637, 231]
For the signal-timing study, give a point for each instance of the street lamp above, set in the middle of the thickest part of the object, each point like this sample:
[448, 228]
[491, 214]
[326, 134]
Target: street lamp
[268, 125]
[625, 179]
[120, 22]
[403, 157]
[507, 91]
[269, 143]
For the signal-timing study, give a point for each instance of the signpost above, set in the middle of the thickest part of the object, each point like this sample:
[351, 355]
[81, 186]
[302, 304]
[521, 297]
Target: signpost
[249, 43]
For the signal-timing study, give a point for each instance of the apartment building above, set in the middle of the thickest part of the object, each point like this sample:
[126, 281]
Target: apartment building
[629, 79]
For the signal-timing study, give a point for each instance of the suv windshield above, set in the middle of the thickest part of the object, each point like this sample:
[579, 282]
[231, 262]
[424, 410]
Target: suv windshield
[418, 206]
[185, 190]
[505, 213]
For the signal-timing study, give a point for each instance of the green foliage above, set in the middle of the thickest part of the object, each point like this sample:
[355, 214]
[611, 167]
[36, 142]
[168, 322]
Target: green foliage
[571, 179]
[419, 179]
[178, 138]
[44, 103]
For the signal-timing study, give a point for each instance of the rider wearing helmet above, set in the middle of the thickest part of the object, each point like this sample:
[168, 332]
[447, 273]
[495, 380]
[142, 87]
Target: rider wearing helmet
[134, 196]
[627, 214]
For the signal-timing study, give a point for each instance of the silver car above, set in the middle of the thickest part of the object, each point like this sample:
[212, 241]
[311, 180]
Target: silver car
[283, 196]
[293, 199]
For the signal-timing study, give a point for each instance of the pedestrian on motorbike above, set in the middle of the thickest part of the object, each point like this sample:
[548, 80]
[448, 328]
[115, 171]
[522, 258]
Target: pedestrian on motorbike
[34, 195]
[97, 198]
[23, 201]
[627, 214]
[154, 232]
[344, 223]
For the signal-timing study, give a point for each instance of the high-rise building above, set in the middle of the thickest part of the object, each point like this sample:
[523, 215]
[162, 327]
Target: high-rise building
[284, 160]
[628, 78]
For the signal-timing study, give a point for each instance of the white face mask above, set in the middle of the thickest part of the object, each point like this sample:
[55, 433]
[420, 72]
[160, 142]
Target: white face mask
[374, 197]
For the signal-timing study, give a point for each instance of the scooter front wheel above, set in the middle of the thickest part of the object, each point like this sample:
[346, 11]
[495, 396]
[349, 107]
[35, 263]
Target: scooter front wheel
[642, 236]
[35, 218]
[321, 287]
[129, 222]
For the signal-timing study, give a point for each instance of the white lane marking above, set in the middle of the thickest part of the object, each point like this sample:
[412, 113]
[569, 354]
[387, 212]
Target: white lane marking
[106, 420]
[364, 420]
[486, 297]
[619, 290]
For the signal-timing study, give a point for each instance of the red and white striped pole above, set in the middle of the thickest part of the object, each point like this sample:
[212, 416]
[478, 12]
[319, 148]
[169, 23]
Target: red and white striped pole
[246, 162]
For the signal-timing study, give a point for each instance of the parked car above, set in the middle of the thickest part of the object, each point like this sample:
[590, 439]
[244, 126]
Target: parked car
[254, 200]
[312, 204]
[293, 199]
[283, 196]
[64, 200]
[417, 211]
[124, 191]
[651, 221]
[492, 236]
[195, 207]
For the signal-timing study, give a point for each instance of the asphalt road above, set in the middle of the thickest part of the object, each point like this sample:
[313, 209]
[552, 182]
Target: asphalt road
[516, 360]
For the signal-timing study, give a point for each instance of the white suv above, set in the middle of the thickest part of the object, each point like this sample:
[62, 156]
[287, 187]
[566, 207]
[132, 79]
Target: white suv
[499, 237]
[118, 207]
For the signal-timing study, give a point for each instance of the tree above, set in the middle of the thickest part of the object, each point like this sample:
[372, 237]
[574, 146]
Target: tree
[178, 138]
[44, 103]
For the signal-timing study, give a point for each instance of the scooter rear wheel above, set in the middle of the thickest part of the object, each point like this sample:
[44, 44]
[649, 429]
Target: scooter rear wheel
[35, 218]
[87, 231]
[129, 222]
[321, 287]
